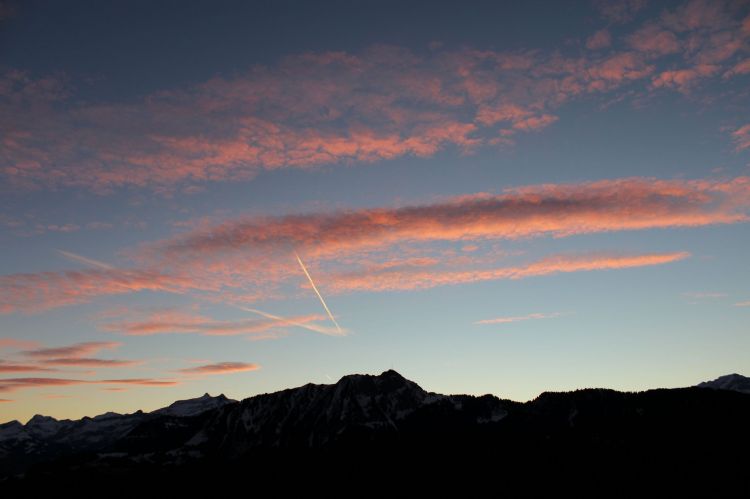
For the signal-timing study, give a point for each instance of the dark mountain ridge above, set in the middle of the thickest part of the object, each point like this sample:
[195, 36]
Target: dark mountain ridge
[366, 426]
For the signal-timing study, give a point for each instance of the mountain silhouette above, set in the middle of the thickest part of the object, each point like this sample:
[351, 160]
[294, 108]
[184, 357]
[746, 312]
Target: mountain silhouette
[386, 429]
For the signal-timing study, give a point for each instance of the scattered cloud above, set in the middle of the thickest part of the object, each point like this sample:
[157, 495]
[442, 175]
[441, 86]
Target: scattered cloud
[15, 344]
[77, 350]
[165, 322]
[741, 68]
[220, 368]
[15, 384]
[558, 210]
[519, 318]
[654, 40]
[599, 40]
[21, 368]
[45, 290]
[69, 356]
[741, 137]
[87, 362]
[251, 257]
[378, 104]
[418, 279]
[619, 11]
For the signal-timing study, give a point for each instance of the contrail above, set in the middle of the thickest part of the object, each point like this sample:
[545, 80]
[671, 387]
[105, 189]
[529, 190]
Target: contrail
[85, 261]
[304, 269]
[284, 320]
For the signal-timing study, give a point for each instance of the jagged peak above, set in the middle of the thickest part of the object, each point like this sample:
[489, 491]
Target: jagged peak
[39, 418]
[388, 374]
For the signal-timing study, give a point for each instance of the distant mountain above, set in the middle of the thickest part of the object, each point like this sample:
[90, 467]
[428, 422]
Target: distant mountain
[44, 438]
[371, 432]
[735, 382]
[193, 407]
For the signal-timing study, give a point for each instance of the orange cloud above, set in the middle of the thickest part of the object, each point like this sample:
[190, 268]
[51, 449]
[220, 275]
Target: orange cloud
[86, 362]
[137, 381]
[557, 210]
[20, 368]
[13, 343]
[178, 322]
[252, 257]
[221, 368]
[403, 280]
[14, 384]
[72, 351]
[71, 356]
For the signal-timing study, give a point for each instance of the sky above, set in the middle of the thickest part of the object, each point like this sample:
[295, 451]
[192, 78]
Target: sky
[488, 197]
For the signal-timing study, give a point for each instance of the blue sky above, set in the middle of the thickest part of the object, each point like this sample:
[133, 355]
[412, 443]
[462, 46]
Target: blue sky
[488, 199]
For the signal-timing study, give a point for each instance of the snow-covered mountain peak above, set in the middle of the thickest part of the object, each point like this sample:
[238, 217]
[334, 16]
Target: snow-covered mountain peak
[195, 406]
[733, 381]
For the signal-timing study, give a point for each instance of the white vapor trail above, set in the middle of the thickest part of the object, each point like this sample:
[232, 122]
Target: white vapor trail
[315, 288]
[284, 320]
[86, 261]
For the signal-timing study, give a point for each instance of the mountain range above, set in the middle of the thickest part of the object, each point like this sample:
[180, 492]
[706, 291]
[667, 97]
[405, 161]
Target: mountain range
[386, 427]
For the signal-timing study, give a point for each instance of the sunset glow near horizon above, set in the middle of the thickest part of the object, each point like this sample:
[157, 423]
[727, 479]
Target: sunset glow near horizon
[243, 197]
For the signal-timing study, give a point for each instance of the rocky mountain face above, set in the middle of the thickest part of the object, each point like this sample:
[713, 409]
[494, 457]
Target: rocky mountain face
[365, 426]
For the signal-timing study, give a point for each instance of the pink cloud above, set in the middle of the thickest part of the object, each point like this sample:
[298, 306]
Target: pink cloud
[489, 115]
[698, 15]
[619, 11]
[316, 109]
[599, 40]
[12, 343]
[682, 79]
[741, 137]
[535, 122]
[409, 280]
[178, 322]
[544, 210]
[249, 258]
[77, 350]
[20, 368]
[616, 69]
[654, 40]
[34, 292]
[741, 68]
[87, 362]
[14, 384]
[221, 368]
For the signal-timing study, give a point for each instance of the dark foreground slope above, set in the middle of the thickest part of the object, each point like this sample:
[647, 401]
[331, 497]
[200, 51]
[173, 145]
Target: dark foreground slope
[384, 434]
